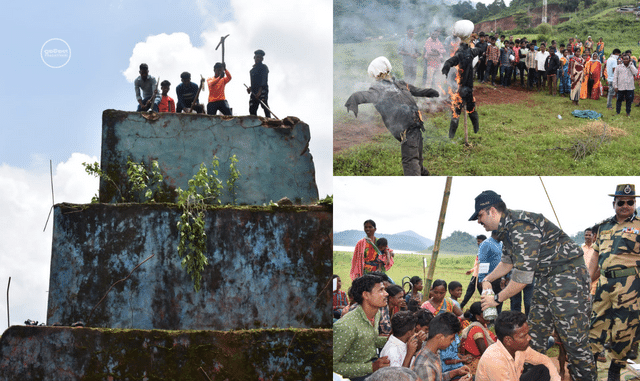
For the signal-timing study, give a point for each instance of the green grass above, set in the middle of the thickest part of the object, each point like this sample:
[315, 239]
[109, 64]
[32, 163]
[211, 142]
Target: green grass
[515, 139]
[448, 267]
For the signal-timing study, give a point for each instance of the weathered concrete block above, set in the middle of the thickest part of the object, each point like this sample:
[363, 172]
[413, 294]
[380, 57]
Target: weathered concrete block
[61, 354]
[268, 267]
[274, 162]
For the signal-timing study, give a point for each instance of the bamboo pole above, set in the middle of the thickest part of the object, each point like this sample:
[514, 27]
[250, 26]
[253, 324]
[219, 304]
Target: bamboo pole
[436, 245]
[466, 132]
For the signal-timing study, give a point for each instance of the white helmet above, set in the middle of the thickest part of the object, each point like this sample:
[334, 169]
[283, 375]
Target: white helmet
[463, 29]
[378, 66]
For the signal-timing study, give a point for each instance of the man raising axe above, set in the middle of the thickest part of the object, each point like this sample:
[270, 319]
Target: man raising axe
[217, 100]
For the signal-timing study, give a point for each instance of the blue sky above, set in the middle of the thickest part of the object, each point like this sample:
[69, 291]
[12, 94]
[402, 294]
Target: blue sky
[56, 113]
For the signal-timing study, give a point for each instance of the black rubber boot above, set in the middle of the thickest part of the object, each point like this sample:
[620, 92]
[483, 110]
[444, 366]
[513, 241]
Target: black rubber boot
[614, 372]
[453, 127]
[475, 121]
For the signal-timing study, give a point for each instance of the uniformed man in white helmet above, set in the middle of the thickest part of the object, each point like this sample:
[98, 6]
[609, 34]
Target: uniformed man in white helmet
[394, 101]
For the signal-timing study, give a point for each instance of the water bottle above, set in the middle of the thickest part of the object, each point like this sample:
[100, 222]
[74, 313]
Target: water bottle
[559, 116]
[490, 313]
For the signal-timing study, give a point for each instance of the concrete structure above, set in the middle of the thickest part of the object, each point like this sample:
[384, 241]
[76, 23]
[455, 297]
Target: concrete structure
[268, 267]
[274, 160]
[69, 354]
[116, 265]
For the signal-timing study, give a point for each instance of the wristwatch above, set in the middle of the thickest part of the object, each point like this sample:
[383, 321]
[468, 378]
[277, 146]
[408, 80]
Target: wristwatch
[496, 299]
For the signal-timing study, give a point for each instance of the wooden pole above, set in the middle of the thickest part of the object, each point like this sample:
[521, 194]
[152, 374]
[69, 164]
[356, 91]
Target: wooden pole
[436, 245]
[466, 132]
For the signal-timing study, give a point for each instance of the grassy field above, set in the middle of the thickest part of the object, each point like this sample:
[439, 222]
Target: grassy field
[449, 267]
[518, 137]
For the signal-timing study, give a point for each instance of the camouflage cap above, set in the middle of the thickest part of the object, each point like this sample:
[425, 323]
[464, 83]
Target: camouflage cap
[628, 190]
[485, 200]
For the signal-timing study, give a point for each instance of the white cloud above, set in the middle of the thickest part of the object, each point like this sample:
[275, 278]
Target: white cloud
[25, 250]
[297, 39]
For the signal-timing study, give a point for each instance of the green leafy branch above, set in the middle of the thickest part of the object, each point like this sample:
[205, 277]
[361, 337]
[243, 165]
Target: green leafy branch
[204, 189]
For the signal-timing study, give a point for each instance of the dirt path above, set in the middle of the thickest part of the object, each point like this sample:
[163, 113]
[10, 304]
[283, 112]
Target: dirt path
[354, 131]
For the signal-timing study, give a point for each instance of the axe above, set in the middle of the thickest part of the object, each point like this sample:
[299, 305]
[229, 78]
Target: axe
[222, 43]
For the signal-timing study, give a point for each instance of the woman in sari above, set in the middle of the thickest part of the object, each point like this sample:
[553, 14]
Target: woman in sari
[576, 70]
[366, 255]
[588, 45]
[591, 86]
[600, 50]
[565, 80]
[476, 338]
[437, 302]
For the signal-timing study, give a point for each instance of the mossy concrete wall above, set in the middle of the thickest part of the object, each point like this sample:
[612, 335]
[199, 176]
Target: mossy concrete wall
[61, 354]
[273, 159]
[269, 267]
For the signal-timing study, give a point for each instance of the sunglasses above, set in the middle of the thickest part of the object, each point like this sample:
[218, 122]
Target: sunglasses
[628, 202]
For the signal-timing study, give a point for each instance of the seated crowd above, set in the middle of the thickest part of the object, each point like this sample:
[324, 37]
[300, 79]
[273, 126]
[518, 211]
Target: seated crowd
[382, 334]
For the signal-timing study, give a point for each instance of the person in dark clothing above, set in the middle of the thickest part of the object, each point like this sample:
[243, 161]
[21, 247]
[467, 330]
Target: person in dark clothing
[187, 92]
[551, 66]
[394, 101]
[259, 89]
[482, 58]
[463, 58]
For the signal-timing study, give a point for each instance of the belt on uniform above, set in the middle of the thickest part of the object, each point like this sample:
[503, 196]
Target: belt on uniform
[620, 273]
[555, 270]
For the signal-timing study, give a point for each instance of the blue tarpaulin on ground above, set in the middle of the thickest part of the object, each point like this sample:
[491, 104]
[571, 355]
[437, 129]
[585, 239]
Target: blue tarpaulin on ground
[589, 114]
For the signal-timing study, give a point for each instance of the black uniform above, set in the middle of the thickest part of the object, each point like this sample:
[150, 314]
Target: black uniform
[463, 58]
[259, 76]
[394, 101]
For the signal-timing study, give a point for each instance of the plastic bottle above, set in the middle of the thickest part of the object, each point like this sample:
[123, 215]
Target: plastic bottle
[490, 313]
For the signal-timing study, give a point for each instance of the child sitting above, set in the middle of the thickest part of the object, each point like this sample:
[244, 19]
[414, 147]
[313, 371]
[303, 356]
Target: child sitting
[167, 103]
[404, 342]
[442, 331]
[455, 290]
[340, 300]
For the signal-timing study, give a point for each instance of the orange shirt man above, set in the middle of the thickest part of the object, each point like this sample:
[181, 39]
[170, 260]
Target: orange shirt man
[216, 84]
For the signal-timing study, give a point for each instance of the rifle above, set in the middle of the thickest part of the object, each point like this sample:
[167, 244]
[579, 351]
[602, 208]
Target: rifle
[195, 99]
[153, 96]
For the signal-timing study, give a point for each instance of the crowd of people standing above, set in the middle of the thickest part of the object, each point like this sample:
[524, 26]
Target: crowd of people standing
[577, 69]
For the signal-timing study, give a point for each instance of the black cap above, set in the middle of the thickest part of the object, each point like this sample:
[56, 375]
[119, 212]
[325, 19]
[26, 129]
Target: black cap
[185, 75]
[259, 52]
[485, 200]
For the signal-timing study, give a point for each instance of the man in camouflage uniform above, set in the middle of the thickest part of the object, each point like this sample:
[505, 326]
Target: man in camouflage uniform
[536, 249]
[616, 262]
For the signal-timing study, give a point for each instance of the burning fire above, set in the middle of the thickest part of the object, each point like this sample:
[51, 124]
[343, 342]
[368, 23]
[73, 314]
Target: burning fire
[456, 100]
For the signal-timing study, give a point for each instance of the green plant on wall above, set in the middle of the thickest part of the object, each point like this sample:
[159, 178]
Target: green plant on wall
[234, 175]
[145, 183]
[204, 189]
